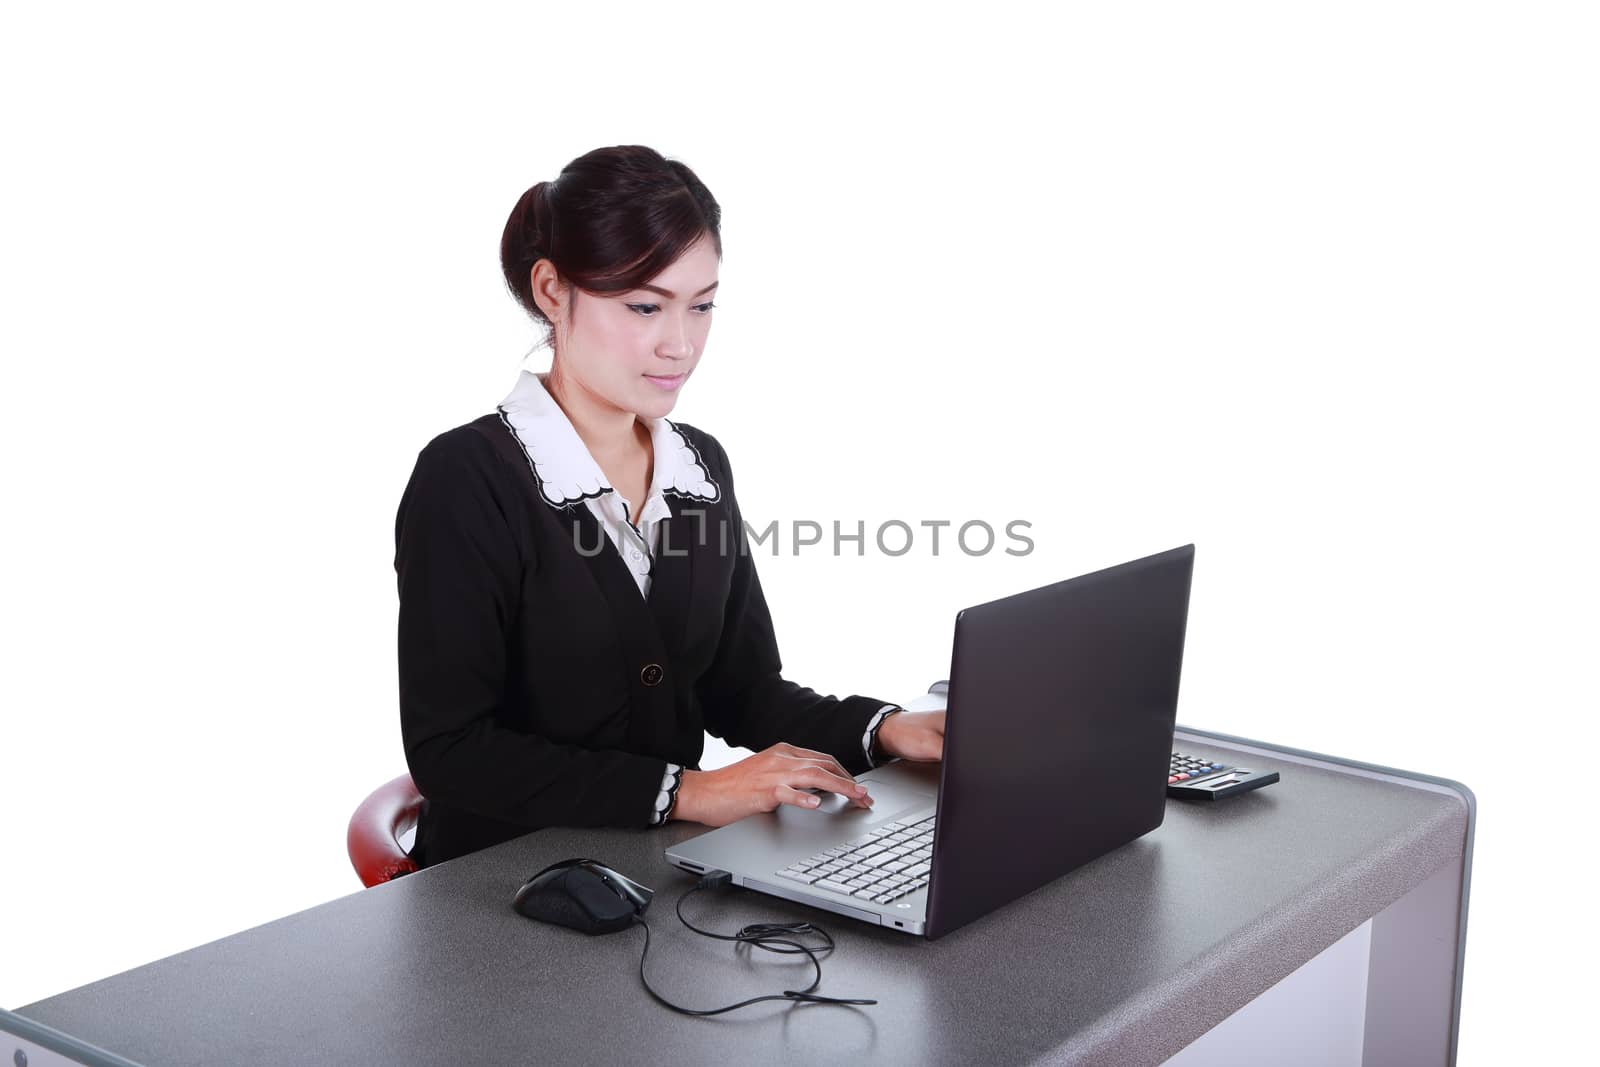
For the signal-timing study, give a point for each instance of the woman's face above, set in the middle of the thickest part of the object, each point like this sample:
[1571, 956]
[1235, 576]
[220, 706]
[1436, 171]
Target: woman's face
[635, 350]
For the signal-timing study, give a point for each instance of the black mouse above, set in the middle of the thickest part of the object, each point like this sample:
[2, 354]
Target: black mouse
[583, 894]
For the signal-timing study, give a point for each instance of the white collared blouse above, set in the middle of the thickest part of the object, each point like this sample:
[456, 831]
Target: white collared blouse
[567, 473]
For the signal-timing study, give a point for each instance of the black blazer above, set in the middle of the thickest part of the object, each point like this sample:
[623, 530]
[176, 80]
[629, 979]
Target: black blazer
[538, 688]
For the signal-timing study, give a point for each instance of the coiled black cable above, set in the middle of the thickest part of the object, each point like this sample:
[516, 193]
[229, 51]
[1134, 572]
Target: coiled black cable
[773, 937]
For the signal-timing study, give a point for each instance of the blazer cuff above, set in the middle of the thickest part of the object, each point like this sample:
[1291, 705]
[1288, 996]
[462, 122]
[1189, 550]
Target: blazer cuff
[869, 740]
[667, 797]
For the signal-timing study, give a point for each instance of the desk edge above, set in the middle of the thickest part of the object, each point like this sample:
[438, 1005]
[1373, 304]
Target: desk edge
[1433, 783]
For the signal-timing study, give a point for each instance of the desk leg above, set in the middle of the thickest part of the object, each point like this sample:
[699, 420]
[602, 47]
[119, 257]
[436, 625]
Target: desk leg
[1411, 976]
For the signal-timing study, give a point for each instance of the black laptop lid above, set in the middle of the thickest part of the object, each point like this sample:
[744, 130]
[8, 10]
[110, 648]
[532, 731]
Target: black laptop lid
[1059, 731]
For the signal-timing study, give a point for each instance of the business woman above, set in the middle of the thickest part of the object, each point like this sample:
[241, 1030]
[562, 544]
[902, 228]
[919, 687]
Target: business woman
[578, 601]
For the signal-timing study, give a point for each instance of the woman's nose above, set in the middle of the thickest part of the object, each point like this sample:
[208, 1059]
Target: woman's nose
[675, 344]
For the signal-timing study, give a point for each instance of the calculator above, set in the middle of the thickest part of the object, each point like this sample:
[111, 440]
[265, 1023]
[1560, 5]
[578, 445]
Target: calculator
[1203, 778]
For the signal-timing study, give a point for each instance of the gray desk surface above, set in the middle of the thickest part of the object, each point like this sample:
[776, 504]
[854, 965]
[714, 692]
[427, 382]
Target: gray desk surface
[1123, 961]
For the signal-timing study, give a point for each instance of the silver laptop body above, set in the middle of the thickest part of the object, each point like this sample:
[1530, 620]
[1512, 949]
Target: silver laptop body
[756, 850]
[1065, 695]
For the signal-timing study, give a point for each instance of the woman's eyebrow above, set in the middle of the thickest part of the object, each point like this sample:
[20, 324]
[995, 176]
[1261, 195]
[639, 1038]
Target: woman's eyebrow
[673, 296]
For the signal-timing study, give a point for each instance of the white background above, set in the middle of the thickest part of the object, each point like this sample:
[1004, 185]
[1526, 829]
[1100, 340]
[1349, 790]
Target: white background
[1311, 285]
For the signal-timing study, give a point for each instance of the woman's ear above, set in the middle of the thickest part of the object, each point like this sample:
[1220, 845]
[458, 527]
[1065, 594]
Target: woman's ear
[550, 292]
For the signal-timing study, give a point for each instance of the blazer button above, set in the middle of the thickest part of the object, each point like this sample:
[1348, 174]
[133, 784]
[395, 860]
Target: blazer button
[652, 674]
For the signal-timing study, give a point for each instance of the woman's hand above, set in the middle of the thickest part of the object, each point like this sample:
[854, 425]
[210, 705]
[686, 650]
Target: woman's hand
[763, 781]
[913, 735]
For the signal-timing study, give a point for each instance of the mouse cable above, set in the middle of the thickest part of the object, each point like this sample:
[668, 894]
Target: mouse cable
[761, 935]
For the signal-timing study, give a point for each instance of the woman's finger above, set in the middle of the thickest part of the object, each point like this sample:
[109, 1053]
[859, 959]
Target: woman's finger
[817, 778]
[790, 795]
[796, 752]
[828, 767]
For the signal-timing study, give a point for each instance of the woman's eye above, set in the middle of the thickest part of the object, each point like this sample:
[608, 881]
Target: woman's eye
[648, 310]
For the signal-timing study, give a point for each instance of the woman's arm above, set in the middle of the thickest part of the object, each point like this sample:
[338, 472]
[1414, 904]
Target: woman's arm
[745, 698]
[459, 571]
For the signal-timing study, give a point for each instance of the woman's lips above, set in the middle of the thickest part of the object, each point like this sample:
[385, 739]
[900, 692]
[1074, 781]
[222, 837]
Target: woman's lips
[668, 383]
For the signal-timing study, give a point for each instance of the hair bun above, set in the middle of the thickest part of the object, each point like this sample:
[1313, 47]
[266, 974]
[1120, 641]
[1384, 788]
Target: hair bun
[622, 215]
[541, 232]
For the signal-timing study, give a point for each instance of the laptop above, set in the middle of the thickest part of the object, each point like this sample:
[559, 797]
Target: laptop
[1058, 737]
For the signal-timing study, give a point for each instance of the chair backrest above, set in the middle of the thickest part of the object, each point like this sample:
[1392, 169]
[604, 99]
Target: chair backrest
[373, 838]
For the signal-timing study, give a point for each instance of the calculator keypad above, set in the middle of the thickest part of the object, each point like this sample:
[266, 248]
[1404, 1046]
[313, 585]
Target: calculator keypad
[1184, 768]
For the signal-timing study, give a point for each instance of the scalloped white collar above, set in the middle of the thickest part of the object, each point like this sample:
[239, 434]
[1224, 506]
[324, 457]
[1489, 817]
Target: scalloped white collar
[565, 470]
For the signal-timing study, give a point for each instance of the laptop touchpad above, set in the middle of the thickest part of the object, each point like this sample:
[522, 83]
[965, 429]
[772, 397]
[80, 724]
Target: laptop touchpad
[831, 803]
[887, 801]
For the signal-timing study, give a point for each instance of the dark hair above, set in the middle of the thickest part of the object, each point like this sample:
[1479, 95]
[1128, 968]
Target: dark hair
[612, 220]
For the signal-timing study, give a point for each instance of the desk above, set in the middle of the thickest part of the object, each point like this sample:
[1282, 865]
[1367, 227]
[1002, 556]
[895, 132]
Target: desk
[1125, 961]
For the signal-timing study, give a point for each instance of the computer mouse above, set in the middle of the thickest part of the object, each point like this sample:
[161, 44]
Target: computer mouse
[584, 895]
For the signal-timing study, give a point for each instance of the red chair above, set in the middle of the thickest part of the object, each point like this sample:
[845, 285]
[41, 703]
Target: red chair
[374, 835]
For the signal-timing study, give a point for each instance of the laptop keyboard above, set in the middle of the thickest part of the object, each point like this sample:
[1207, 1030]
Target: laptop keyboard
[886, 864]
